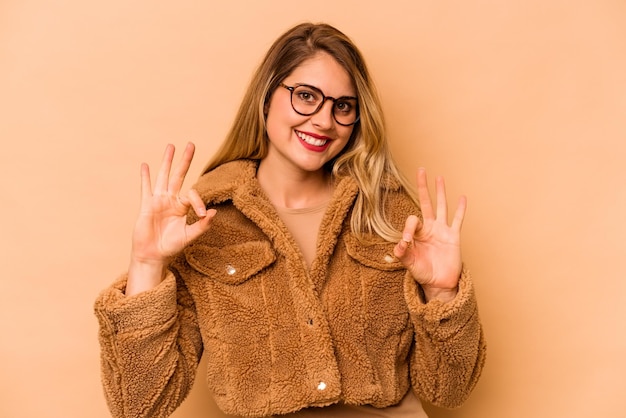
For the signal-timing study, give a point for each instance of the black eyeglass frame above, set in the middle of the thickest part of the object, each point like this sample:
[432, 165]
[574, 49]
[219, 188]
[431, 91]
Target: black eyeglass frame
[324, 98]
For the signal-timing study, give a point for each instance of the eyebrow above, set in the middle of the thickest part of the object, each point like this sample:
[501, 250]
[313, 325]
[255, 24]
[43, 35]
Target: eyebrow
[325, 95]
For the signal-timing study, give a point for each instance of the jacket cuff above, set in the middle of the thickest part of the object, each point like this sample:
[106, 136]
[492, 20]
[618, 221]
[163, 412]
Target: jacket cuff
[439, 319]
[141, 311]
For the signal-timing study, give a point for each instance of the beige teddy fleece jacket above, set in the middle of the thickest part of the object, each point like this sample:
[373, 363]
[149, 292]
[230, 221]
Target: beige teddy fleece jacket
[277, 336]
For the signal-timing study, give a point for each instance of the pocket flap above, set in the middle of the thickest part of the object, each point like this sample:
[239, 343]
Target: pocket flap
[233, 264]
[378, 255]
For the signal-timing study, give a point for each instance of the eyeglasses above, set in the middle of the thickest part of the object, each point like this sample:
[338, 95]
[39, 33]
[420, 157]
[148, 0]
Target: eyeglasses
[308, 100]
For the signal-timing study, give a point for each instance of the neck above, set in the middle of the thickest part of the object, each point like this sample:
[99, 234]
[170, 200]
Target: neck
[292, 188]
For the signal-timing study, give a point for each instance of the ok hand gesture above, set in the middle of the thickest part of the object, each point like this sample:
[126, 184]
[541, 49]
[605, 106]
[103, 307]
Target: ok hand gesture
[161, 229]
[430, 249]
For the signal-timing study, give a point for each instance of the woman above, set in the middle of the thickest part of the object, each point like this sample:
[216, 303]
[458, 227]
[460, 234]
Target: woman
[300, 263]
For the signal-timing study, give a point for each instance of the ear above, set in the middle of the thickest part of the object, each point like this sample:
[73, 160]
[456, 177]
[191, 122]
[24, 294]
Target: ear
[268, 100]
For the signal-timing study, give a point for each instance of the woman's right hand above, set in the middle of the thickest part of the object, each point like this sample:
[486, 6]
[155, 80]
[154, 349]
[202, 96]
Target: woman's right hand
[161, 230]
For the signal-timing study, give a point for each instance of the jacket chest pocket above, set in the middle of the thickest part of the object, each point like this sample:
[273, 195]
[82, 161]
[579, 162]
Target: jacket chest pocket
[381, 281]
[232, 279]
[231, 300]
[232, 264]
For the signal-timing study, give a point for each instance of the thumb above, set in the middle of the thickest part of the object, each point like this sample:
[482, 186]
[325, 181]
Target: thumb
[401, 250]
[200, 226]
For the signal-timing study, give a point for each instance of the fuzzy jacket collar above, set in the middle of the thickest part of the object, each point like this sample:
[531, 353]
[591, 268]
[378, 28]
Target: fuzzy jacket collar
[233, 179]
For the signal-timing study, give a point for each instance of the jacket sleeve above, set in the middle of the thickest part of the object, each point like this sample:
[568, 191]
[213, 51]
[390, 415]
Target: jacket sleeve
[150, 348]
[449, 351]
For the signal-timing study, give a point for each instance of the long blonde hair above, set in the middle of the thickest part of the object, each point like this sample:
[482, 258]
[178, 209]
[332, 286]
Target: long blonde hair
[366, 157]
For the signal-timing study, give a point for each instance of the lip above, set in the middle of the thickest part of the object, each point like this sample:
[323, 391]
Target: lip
[312, 147]
[316, 136]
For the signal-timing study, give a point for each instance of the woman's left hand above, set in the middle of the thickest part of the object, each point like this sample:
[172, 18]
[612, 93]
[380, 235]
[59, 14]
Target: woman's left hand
[430, 249]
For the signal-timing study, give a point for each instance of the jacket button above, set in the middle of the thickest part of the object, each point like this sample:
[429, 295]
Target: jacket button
[230, 270]
[321, 386]
[389, 258]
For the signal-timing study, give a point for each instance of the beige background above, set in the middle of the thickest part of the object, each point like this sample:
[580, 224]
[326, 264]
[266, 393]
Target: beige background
[521, 104]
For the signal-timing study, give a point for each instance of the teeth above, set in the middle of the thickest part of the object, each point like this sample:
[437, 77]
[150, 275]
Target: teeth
[310, 140]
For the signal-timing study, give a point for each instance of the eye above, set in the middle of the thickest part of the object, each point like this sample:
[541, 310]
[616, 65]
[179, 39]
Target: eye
[344, 106]
[307, 96]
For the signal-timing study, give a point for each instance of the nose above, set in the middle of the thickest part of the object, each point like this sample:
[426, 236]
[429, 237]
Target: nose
[323, 118]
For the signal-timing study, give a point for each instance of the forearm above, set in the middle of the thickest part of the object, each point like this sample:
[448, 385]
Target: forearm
[449, 348]
[150, 348]
[445, 372]
[148, 376]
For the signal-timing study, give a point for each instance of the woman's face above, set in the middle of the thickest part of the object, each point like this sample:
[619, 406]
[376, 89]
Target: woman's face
[306, 143]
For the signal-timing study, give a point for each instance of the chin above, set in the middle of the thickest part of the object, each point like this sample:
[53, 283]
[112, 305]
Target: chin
[311, 166]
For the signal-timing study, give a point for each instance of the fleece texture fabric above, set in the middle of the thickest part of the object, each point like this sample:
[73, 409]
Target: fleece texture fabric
[279, 336]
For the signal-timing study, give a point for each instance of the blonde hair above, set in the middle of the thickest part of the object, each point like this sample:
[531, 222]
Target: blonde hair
[366, 156]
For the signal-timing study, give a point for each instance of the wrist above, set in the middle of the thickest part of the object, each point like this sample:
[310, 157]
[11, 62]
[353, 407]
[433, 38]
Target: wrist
[146, 262]
[443, 294]
[143, 275]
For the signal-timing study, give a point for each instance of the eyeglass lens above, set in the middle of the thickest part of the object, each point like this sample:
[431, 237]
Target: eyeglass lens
[307, 100]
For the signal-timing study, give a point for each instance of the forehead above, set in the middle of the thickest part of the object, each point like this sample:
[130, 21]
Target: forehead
[324, 72]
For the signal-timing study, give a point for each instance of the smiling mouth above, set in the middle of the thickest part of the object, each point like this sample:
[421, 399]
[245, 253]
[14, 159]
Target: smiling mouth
[316, 142]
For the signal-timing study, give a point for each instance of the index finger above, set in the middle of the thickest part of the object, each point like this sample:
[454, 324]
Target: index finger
[178, 176]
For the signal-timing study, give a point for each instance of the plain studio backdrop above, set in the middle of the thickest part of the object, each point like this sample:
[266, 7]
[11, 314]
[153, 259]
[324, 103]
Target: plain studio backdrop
[520, 104]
